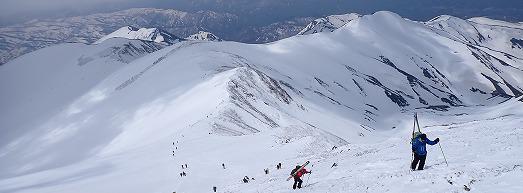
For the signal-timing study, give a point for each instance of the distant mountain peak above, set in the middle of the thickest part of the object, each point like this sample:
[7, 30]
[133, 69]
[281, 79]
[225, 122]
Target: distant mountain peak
[147, 34]
[329, 23]
[204, 36]
[441, 18]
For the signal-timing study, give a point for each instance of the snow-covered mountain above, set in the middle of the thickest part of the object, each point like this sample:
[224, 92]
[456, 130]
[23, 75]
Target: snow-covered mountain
[492, 43]
[23, 38]
[204, 36]
[147, 34]
[250, 106]
[328, 24]
[495, 35]
[20, 39]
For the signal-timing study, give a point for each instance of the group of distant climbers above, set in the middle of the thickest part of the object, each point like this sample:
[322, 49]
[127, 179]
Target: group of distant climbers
[419, 150]
[184, 166]
[297, 173]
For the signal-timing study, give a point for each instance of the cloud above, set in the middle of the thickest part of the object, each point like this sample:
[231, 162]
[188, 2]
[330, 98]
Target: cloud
[14, 11]
[15, 5]
[26, 8]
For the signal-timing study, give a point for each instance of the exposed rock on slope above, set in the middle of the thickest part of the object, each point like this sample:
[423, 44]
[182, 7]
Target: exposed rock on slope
[204, 36]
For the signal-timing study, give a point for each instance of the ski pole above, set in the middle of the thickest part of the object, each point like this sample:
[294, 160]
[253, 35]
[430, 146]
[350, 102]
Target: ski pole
[308, 177]
[443, 154]
[411, 138]
[411, 160]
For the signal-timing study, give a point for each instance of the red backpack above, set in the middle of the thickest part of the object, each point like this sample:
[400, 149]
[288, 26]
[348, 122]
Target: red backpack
[301, 172]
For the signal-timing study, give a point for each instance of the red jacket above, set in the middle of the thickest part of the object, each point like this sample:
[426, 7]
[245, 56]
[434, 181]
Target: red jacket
[301, 172]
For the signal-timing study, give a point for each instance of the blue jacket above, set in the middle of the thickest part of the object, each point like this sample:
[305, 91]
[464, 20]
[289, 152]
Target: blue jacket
[419, 146]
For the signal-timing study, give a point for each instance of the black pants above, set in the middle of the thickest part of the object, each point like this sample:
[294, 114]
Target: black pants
[297, 181]
[420, 159]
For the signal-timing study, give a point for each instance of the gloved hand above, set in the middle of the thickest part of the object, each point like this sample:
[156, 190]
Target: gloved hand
[437, 140]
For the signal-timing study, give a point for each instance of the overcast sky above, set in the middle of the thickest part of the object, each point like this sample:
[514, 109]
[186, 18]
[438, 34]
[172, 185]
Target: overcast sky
[13, 11]
[32, 9]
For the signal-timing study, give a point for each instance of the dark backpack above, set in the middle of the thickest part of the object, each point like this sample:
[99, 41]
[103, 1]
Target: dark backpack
[294, 171]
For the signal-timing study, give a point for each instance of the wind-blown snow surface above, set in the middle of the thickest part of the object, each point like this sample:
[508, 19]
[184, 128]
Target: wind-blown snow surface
[252, 106]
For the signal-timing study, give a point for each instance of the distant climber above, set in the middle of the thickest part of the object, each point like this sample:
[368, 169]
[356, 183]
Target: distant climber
[334, 147]
[266, 170]
[297, 177]
[420, 150]
[214, 188]
[223, 165]
[245, 179]
[184, 174]
[278, 166]
[334, 165]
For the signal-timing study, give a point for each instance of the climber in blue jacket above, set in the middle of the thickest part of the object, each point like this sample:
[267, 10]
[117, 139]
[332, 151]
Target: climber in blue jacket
[420, 150]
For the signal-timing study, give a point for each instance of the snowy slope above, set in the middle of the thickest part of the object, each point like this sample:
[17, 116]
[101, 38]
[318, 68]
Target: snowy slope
[491, 42]
[498, 36]
[248, 106]
[147, 34]
[204, 36]
[43, 83]
[481, 146]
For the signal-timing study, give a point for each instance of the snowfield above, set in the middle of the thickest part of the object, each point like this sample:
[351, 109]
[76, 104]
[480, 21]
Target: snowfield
[127, 118]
